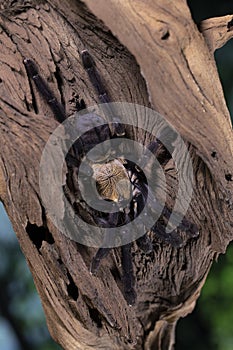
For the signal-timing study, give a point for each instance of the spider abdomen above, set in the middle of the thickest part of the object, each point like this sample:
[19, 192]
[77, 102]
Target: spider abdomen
[112, 180]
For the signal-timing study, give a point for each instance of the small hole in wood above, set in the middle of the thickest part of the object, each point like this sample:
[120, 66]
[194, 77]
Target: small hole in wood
[95, 316]
[93, 312]
[38, 234]
[228, 177]
[72, 288]
[214, 154]
[230, 25]
[165, 36]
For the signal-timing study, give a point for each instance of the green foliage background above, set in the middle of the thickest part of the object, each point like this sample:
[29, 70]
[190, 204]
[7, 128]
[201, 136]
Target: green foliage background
[210, 326]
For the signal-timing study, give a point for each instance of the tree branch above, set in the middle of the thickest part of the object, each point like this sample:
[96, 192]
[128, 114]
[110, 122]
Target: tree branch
[85, 311]
[217, 31]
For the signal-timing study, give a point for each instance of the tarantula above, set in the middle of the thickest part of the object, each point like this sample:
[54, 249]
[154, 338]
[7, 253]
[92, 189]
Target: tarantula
[116, 180]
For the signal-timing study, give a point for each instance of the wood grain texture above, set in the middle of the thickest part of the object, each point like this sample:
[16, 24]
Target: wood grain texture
[217, 31]
[176, 67]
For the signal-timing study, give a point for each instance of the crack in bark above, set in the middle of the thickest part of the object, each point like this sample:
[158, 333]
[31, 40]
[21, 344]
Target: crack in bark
[38, 234]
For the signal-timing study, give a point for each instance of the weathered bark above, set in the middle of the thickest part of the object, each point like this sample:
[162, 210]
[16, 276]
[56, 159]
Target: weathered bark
[217, 31]
[180, 80]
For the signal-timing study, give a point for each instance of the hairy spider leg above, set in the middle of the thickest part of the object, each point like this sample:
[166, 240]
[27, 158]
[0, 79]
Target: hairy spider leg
[143, 242]
[127, 268]
[103, 252]
[127, 264]
[56, 107]
[90, 67]
[158, 149]
[185, 225]
[163, 157]
[140, 194]
[128, 275]
[172, 237]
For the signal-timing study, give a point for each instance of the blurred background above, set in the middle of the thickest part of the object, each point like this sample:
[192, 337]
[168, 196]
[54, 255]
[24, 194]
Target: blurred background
[210, 326]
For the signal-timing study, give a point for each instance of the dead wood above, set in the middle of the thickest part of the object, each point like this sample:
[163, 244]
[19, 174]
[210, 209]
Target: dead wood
[162, 59]
[217, 31]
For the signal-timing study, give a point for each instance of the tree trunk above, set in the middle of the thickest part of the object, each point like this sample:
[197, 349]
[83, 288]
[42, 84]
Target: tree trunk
[157, 57]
